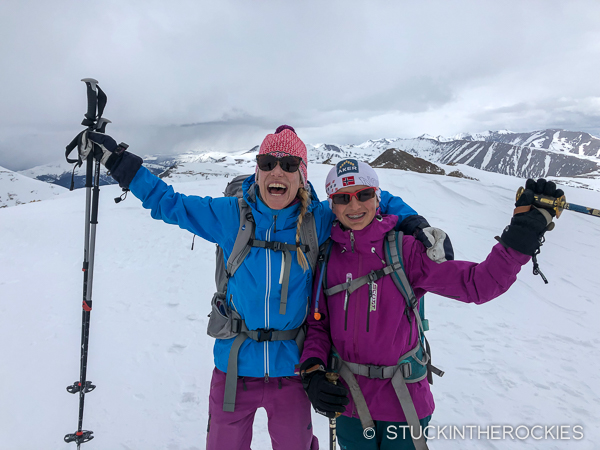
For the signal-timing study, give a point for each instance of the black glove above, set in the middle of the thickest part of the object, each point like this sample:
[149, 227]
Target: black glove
[327, 398]
[438, 245]
[527, 227]
[121, 164]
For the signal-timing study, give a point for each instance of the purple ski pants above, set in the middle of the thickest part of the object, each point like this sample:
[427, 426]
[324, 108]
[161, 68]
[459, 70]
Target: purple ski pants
[288, 412]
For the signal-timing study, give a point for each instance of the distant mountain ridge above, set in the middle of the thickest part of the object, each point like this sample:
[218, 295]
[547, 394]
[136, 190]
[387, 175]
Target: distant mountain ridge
[544, 153]
[507, 159]
[578, 143]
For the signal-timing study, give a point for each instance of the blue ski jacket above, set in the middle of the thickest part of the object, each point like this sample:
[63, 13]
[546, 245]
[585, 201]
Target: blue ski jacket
[255, 289]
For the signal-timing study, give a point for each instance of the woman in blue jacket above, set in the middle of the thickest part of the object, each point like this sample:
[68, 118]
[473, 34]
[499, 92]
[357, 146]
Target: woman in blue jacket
[270, 292]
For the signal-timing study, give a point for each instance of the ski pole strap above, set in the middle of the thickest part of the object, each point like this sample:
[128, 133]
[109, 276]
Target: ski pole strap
[287, 266]
[72, 146]
[260, 335]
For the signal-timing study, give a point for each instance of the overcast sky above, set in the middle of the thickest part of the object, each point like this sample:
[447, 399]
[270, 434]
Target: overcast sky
[338, 71]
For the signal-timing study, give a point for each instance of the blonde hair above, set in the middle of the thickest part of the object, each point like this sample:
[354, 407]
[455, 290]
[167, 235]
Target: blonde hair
[304, 201]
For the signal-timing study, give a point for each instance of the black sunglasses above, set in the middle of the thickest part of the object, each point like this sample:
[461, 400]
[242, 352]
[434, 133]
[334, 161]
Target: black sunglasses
[362, 195]
[288, 164]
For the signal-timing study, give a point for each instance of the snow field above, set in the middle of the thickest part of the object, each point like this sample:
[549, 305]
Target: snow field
[530, 357]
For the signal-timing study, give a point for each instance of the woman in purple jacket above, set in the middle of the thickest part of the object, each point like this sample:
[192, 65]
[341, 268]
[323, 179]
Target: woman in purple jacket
[368, 325]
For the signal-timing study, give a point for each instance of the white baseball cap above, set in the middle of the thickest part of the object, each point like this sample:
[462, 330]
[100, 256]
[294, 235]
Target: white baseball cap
[351, 172]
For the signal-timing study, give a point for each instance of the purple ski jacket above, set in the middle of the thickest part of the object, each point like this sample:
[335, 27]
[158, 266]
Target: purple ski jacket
[359, 252]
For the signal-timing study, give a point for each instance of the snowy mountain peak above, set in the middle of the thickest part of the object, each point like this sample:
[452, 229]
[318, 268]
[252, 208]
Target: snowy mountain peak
[430, 137]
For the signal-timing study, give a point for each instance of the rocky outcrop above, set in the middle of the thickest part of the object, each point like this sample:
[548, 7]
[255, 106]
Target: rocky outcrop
[398, 159]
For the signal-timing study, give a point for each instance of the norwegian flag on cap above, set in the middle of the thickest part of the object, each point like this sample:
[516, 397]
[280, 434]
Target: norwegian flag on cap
[285, 142]
[351, 172]
[348, 181]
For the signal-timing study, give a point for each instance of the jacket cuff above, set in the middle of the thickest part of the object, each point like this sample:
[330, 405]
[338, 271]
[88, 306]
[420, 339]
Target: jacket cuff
[521, 239]
[124, 167]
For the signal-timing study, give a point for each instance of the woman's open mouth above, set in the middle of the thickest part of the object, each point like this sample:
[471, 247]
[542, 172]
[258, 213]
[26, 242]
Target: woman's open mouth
[277, 189]
[355, 216]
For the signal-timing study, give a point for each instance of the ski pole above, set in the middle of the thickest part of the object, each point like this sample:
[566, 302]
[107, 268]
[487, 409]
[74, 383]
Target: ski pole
[96, 102]
[559, 204]
[333, 377]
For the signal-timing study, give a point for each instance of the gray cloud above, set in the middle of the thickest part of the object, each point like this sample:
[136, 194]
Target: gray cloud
[338, 71]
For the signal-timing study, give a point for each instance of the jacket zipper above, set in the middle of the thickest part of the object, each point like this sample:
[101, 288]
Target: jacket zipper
[356, 312]
[267, 297]
[369, 304]
[346, 299]
[348, 279]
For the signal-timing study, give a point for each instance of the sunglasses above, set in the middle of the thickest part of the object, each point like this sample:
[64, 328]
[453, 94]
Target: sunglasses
[288, 164]
[362, 195]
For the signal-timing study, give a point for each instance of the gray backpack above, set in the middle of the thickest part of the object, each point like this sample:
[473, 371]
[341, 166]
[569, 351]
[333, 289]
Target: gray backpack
[224, 321]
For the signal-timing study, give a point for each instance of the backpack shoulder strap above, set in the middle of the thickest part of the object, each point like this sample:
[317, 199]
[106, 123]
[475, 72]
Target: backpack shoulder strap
[308, 236]
[323, 259]
[393, 256]
[241, 247]
[394, 252]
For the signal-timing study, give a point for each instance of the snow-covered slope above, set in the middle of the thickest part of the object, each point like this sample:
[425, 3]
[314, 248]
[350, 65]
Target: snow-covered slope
[530, 357]
[16, 189]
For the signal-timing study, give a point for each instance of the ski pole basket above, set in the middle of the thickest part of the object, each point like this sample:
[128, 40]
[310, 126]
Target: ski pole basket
[80, 437]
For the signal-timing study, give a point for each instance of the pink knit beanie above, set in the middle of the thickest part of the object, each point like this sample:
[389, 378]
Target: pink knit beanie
[285, 142]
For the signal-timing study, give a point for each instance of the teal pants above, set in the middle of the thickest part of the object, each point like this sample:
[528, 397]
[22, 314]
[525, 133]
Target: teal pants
[385, 435]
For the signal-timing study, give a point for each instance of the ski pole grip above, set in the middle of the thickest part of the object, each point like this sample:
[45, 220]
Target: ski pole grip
[92, 102]
[544, 201]
[333, 377]
[101, 125]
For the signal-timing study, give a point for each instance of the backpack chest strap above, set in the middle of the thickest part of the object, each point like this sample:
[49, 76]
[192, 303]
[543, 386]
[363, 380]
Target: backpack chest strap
[277, 246]
[287, 266]
[353, 285]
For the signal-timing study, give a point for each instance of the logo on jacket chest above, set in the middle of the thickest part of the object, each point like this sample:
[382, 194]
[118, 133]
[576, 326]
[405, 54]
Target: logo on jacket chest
[373, 297]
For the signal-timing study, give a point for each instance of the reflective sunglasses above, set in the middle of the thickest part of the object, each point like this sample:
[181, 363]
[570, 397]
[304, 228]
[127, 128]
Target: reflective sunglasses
[362, 195]
[288, 164]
